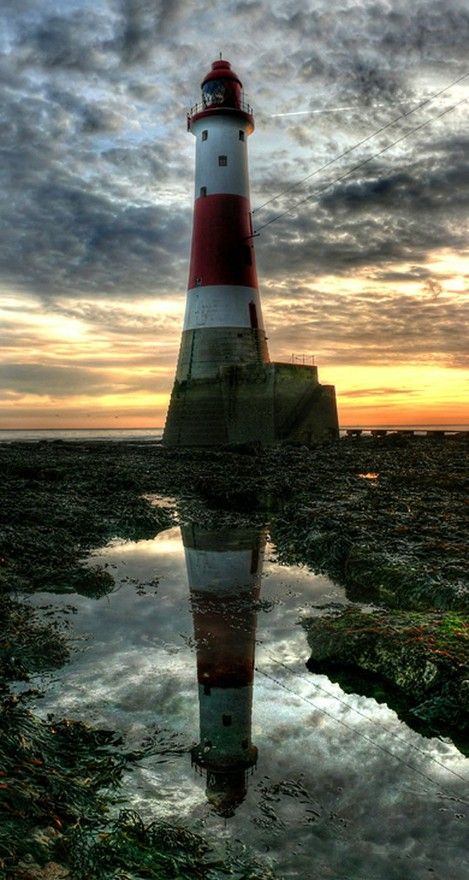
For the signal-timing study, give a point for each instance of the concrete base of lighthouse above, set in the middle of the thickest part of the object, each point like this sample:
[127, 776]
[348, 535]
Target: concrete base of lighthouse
[263, 403]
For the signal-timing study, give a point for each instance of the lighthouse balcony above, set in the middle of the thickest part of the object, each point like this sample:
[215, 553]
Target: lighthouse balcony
[239, 106]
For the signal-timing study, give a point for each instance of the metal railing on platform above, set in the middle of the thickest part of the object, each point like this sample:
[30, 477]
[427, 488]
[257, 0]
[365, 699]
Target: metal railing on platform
[305, 359]
[201, 106]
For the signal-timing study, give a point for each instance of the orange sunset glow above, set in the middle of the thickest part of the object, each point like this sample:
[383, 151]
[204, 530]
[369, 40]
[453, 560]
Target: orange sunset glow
[112, 365]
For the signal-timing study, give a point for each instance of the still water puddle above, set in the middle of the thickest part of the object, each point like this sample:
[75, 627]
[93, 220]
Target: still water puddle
[199, 647]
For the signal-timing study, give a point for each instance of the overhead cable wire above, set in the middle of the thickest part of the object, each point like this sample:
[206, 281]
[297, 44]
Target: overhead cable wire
[360, 165]
[364, 736]
[363, 141]
[366, 717]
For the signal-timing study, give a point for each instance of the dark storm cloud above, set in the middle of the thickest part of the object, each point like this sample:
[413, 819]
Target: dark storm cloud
[65, 232]
[388, 215]
[143, 24]
[74, 42]
[77, 215]
[355, 45]
[428, 185]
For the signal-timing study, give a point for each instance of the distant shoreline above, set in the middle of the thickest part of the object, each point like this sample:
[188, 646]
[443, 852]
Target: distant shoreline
[9, 435]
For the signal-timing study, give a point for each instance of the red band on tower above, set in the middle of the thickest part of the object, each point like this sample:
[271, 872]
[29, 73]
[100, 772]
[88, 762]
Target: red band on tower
[222, 251]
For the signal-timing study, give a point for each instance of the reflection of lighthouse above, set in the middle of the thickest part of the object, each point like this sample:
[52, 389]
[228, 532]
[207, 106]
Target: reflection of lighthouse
[224, 570]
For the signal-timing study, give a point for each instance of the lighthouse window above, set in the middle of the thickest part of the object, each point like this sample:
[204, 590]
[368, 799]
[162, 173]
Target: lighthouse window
[204, 135]
[226, 720]
[247, 253]
[241, 135]
[203, 190]
[214, 92]
[223, 160]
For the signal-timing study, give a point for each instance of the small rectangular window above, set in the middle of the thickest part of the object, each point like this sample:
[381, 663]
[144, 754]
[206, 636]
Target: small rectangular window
[223, 160]
[226, 720]
[203, 190]
[241, 135]
[204, 135]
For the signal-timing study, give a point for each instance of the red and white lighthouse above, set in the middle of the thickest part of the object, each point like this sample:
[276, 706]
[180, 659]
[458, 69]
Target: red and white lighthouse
[226, 390]
[223, 321]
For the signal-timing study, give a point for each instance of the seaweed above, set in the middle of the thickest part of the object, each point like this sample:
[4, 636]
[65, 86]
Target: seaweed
[51, 780]
[157, 850]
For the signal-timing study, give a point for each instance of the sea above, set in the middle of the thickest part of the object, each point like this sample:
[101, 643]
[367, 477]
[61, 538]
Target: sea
[154, 435]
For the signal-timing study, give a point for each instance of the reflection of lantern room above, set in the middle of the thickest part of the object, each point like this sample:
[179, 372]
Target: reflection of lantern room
[224, 570]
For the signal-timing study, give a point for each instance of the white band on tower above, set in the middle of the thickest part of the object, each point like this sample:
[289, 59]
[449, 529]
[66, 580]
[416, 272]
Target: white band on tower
[223, 305]
[221, 163]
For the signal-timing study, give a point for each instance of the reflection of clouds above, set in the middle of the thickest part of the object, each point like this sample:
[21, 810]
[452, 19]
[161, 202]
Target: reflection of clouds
[323, 797]
[372, 808]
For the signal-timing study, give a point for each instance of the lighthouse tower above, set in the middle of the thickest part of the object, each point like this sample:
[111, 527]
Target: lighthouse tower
[226, 390]
[224, 569]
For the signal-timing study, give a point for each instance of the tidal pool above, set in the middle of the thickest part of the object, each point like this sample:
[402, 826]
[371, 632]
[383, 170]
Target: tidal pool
[199, 647]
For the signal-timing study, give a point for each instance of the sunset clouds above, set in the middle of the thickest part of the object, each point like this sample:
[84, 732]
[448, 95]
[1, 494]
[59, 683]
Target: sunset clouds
[369, 274]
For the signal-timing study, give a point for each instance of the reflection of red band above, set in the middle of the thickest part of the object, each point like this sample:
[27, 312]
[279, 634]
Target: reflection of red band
[222, 252]
[225, 632]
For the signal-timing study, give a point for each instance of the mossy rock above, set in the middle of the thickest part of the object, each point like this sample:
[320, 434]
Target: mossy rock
[398, 582]
[423, 654]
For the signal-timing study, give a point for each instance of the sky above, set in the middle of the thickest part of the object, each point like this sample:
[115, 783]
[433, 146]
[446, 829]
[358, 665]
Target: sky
[369, 274]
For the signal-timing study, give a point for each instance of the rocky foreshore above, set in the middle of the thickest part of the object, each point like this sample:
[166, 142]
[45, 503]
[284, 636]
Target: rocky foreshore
[382, 516]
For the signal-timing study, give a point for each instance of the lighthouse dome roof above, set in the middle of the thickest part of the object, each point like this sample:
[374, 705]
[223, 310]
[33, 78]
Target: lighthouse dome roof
[221, 69]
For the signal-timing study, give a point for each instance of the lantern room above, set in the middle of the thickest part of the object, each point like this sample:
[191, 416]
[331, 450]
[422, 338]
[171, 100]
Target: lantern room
[222, 91]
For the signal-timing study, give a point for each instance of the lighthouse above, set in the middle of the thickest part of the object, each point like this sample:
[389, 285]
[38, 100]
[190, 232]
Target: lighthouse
[226, 390]
[224, 569]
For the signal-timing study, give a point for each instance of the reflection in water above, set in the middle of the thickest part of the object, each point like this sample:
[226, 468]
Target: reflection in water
[342, 788]
[224, 570]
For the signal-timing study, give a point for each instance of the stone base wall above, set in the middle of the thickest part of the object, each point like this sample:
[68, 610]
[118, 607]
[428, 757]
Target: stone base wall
[204, 351]
[252, 403]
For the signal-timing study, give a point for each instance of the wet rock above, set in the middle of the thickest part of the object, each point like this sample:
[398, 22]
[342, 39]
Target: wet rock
[424, 655]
